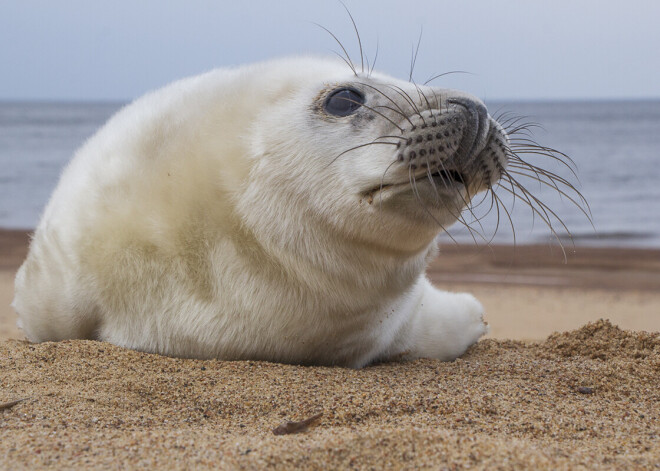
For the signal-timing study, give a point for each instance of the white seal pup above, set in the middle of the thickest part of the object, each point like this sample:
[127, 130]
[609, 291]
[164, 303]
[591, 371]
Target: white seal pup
[283, 211]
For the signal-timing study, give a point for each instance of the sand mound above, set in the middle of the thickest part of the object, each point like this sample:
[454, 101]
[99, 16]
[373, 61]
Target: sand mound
[583, 398]
[604, 341]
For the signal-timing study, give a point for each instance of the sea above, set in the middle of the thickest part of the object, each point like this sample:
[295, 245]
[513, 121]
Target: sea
[615, 146]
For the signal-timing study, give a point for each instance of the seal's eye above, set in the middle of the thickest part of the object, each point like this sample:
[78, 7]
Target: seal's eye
[343, 101]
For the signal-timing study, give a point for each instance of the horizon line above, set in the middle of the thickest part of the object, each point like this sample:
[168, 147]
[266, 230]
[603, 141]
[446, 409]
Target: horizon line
[112, 101]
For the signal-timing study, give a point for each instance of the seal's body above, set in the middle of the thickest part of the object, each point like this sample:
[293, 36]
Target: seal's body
[282, 211]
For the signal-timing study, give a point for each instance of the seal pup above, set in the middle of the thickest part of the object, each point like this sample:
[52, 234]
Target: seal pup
[282, 211]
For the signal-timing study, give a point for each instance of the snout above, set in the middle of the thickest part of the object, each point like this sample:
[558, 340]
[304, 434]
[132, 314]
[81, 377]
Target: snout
[458, 141]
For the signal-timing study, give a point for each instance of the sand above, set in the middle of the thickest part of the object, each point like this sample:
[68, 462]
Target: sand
[587, 399]
[583, 399]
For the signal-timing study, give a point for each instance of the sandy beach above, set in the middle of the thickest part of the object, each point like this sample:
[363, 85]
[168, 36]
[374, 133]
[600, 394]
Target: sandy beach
[584, 398]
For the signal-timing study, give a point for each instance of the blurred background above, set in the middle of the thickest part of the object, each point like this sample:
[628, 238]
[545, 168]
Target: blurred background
[587, 71]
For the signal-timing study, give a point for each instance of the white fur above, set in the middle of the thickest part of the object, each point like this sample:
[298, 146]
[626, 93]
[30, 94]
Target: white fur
[213, 219]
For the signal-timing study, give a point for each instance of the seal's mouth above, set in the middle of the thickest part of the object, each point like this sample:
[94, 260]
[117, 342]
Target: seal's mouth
[448, 180]
[449, 177]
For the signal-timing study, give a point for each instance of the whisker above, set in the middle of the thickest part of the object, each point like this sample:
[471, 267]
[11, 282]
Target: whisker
[394, 111]
[500, 204]
[374, 142]
[413, 184]
[527, 197]
[375, 58]
[403, 138]
[588, 215]
[545, 151]
[356, 33]
[413, 59]
[345, 61]
[446, 73]
[380, 190]
[390, 99]
[523, 165]
[348, 60]
[546, 209]
[406, 97]
[509, 123]
[438, 104]
[550, 176]
[460, 217]
[429, 174]
[375, 111]
[493, 202]
[421, 94]
[521, 127]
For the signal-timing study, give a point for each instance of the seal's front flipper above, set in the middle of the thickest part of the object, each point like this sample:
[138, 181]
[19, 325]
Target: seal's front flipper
[446, 324]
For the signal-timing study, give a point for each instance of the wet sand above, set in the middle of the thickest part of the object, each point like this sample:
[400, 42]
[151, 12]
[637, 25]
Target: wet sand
[582, 399]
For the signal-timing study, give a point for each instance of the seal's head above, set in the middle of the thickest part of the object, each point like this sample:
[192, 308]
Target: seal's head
[371, 157]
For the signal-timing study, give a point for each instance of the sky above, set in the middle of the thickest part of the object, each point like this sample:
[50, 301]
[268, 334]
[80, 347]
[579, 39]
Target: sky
[513, 49]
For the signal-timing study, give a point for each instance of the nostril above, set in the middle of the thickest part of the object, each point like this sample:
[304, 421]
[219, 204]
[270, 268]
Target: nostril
[475, 109]
[478, 125]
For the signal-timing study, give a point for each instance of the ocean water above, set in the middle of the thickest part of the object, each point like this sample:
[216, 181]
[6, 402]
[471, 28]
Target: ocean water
[616, 147]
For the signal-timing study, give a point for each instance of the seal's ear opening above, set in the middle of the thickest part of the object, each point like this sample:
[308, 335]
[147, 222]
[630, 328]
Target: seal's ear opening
[343, 101]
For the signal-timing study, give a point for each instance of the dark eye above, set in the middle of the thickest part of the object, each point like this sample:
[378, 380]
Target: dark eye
[343, 101]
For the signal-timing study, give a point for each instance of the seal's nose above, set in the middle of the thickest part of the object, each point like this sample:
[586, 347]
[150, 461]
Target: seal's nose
[476, 131]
